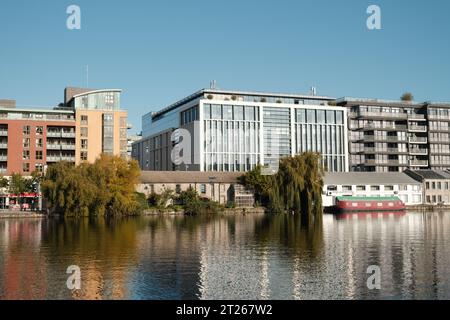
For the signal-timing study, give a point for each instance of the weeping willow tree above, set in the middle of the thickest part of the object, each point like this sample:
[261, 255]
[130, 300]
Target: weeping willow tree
[295, 188]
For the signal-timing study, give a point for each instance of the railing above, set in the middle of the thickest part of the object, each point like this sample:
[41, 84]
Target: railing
[417, 128]
[3, 158]
[416, 116]
[3, 133]
[53, 146]
[54, 134]
[382, 162]
[418, 163]
[379, 127]
[418, 151]
[60, 158]
[68, 146]
[382, 114]
[438, 117]
[3, 146]
[418, 140]
[68, 134]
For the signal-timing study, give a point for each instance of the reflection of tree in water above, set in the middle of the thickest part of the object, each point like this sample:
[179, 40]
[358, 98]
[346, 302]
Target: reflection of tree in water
[103, 248]
[290, 232]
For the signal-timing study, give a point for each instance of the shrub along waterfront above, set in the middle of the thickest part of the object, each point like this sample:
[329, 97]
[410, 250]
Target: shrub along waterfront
[295, 188]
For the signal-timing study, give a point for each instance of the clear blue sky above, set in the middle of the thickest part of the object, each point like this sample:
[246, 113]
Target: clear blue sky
[160, 51]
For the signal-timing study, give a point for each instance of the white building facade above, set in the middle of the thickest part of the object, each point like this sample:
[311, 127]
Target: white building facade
[371, 184]
[234, 131]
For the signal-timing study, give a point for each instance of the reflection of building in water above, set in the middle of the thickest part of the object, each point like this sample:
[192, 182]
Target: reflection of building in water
[411, 251]
[22, 268]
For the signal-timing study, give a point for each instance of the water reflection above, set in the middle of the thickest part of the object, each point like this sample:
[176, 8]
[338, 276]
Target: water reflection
[227, 257]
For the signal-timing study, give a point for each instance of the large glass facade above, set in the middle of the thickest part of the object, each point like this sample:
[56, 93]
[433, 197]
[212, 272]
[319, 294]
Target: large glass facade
[231, 137]
[277, 134]
[322, 131]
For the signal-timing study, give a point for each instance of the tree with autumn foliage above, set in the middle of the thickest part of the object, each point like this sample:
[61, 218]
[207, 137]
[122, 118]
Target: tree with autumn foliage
[105, 187]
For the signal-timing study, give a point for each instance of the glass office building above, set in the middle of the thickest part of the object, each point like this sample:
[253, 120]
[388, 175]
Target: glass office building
[235, 131]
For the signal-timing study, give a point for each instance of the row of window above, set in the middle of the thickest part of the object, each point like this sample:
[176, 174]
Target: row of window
[349, 188]
[38, 167]
[437, 185]
[228, 112]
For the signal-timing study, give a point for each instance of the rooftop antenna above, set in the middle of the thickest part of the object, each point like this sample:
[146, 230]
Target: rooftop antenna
[87, 76]
[313, 91]
[213, 85]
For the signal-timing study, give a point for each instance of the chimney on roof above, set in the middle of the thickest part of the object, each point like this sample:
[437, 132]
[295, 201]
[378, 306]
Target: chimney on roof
[7, 103]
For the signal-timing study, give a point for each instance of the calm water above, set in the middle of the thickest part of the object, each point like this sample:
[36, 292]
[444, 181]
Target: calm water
[242, 257]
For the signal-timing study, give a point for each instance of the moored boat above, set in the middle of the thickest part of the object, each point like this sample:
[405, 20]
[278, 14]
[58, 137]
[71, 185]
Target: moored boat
[361, 204]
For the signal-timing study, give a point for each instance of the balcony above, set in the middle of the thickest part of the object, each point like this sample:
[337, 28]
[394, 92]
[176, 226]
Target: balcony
[419, 140]
[67, 146]
[417, 117]
[418, 163]
[373, 162]
[368, 114]
[438, 117]
[53, 147]
[415, 128]
[3, 157]
[386, 128]
[3, 145]
[54, 134]
[418, 151]
[68, 134]
[3, 133]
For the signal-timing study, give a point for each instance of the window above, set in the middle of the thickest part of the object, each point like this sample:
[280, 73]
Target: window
[26, 155]
[26, 167]
[374, 188]
[26, 130]
[427, 185]
[439, 186]
[39, 130]
[39, 143]
[84, 132]
[433, 185]
[39, 167]
[26, 142]
[38, 155]
[203, 188]
[331, 188]
[83, 156]
[389, 188]
[361, 188]
[178, 188]
[346, 188]
[428, 199]
[84, 120]
[84, 144]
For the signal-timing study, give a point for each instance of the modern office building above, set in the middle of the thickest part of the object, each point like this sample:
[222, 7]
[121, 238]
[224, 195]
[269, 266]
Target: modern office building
[235, 130]
[89, 123]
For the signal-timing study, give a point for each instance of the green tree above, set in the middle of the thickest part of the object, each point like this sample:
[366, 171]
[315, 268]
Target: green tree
[407, 96]
[295, 188]
[106, 187]
[4, 182]
[17, 186]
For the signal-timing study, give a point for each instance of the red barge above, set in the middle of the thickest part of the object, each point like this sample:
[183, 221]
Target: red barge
[369, 204]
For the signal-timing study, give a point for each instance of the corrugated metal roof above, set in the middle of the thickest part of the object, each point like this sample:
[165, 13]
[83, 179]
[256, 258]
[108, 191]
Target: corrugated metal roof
[189, 177]
[365, 178]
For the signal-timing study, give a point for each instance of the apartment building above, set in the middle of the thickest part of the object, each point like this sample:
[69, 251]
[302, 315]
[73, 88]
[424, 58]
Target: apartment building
[435, 185]
[236, 130]
[102, 125]
[386, 136]
[88, 123]
[438, 116]
[30, 139]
